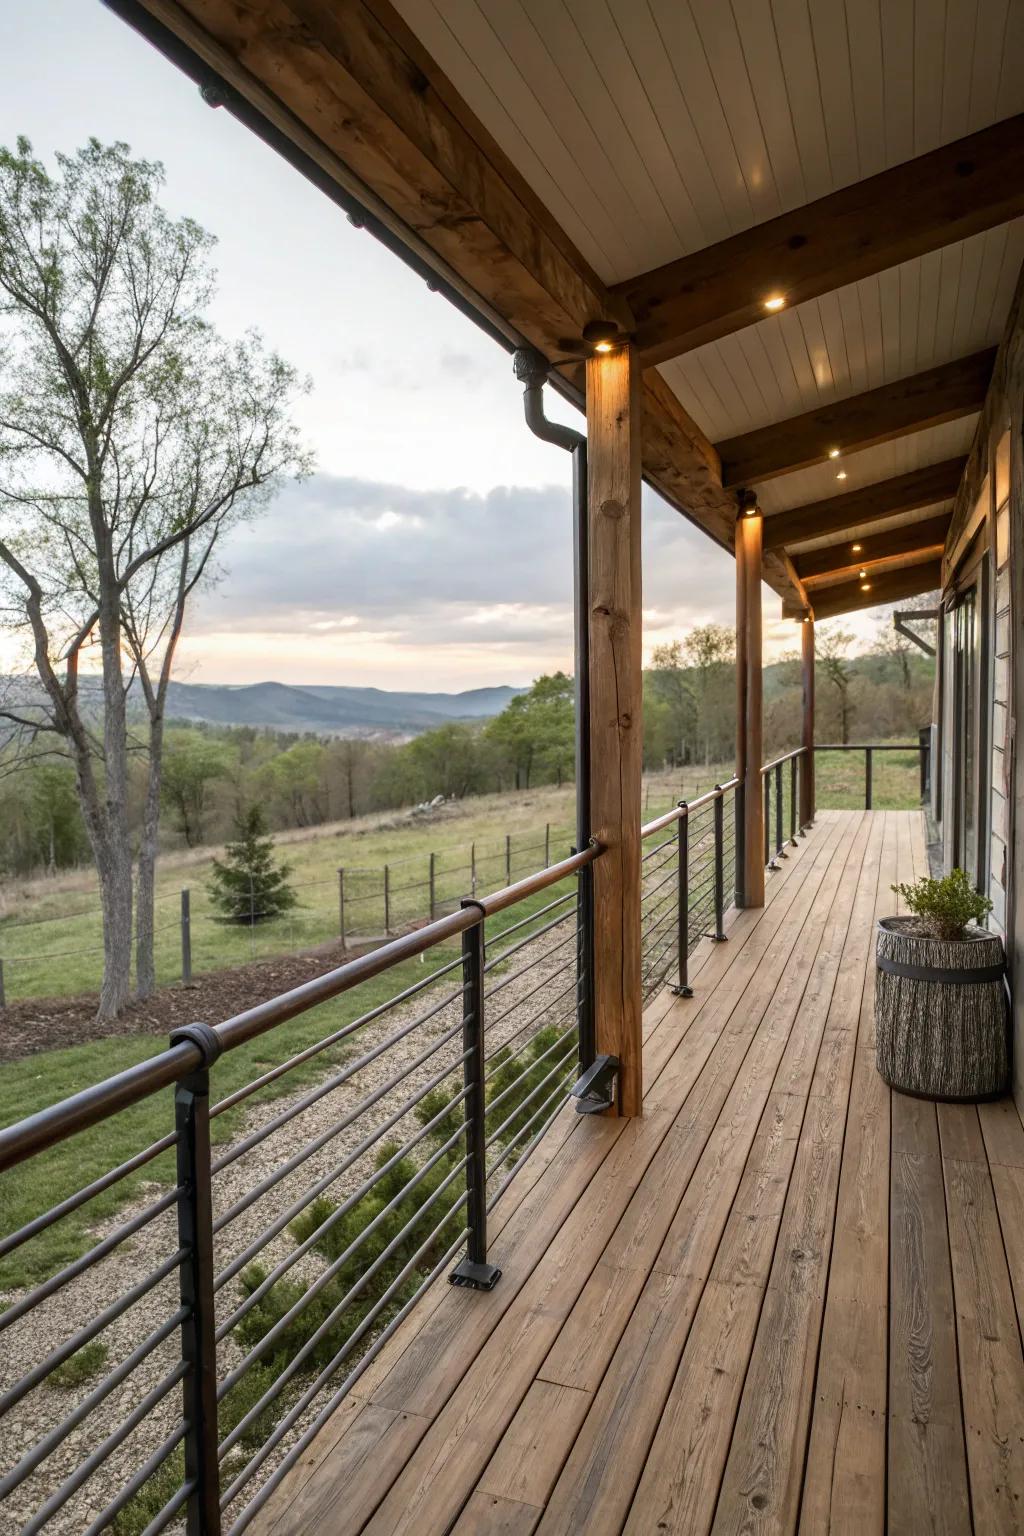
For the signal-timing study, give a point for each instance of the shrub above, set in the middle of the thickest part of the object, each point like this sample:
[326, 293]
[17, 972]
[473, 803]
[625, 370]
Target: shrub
[945, 906]
[248, 886]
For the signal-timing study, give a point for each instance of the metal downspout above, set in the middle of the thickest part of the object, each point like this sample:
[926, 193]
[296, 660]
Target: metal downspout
[532, 370]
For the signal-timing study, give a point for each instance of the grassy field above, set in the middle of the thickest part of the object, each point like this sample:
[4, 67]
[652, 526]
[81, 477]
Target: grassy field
[51, 934]
[35, 1082]
[50, 930]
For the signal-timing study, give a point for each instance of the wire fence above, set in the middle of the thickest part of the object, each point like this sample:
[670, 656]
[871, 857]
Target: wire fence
[62, 953]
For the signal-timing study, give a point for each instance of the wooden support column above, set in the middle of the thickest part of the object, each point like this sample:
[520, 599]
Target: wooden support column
[616, 682]
[749, 725]
[807, 737]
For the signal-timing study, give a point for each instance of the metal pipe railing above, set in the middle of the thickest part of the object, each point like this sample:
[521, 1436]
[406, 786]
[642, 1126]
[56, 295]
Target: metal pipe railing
[698, 851]
[490, 1119]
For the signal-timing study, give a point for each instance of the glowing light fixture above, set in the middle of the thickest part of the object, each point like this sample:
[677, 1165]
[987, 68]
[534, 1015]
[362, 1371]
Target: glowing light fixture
[865, 586]
[856, 548]
[602, 336]
[862, 574]
[833, 453]
[774, 302]
[841, 475]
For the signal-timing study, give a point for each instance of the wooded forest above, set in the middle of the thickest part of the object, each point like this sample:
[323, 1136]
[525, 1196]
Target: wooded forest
[299, 781]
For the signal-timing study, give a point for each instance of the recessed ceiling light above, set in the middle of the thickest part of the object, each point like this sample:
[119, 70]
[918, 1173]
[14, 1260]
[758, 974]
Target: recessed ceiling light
[862, 575]
[865, 586]
[841, 475]
[776, 301]
[833, 453]
[856, 548]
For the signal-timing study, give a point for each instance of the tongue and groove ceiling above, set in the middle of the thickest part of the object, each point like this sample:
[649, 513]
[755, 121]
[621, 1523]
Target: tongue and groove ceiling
[654, 128]
[676, 163]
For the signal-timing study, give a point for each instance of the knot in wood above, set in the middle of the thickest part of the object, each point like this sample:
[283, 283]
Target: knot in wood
[612, 508]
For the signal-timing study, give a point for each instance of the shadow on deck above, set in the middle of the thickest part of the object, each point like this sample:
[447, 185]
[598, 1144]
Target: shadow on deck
[784, 1299]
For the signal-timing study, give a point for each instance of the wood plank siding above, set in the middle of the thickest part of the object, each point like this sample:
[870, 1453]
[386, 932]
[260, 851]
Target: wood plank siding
[782, 1301]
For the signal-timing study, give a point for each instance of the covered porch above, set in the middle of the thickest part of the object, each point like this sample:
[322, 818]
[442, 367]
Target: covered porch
[782, 1299]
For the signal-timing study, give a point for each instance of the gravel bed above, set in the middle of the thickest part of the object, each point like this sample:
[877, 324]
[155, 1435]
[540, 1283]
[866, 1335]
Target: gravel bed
[521, 1002]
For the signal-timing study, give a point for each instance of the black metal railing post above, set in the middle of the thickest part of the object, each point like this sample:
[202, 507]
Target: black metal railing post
[924, 748]
[867, 778]
[780, 841]
[793, 791]
[769, 861]
[585, 967]
[474, 1271]
[196, 1276]
[341, 906]
[740, 849]
[719, 814]
[683, 988]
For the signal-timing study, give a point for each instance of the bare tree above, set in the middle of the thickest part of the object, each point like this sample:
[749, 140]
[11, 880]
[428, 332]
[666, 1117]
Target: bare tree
[832, 645]
[710, 649]
[132, 437]
[891, 642]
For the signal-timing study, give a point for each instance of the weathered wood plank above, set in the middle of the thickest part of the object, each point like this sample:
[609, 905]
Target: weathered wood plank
[927, 1465]
[988, 1334]
[608, 1457]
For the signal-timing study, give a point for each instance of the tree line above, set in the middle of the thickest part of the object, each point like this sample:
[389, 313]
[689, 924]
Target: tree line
[212, 773]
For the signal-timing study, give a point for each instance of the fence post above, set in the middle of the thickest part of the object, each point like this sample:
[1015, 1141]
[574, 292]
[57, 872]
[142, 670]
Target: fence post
[474, 1270]
[341, 906]
[719, 866]
[196, 1276]
[472, 868]
[547, 842]
[792, 801]
[867, 778]
[387, 899]
[252, 918]
[508, 858]
[186, 937]
[433, 902]
[779, 839]
[3, 997]
[683, 988]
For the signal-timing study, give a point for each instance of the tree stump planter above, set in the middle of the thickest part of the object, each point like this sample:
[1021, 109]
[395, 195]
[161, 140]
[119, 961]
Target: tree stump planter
[940, 1013]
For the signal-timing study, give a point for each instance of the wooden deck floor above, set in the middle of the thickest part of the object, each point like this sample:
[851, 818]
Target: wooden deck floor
[783, 1300]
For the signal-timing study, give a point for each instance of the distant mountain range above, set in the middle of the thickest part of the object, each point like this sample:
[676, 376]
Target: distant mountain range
[336, 711]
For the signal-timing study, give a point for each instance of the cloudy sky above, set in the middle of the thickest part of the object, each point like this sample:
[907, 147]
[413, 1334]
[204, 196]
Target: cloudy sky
[432, 547]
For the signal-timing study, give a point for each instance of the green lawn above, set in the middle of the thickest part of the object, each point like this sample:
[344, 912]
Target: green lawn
[51, 934]
[38, 1081]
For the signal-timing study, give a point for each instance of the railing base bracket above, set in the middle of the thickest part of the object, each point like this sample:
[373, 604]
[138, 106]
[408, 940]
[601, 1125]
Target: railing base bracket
[682, 991]
[475, 1277]
[595, 1091]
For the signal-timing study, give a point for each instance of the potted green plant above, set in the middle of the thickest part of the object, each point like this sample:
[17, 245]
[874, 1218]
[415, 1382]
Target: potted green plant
[940, 999]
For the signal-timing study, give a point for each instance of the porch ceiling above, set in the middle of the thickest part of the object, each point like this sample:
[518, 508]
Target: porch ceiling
[556, 159]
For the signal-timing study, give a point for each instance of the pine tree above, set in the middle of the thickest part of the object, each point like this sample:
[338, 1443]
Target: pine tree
[248, 887]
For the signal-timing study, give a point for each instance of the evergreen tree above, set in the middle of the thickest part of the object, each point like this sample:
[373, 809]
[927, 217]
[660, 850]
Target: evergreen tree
[248, 887]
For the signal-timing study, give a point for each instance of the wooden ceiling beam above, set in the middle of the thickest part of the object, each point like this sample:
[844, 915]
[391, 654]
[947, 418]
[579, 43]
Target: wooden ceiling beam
[838, 560]
[947, 195]
[893, 587]
[909, 405]
[886, 498]
[352, 88]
